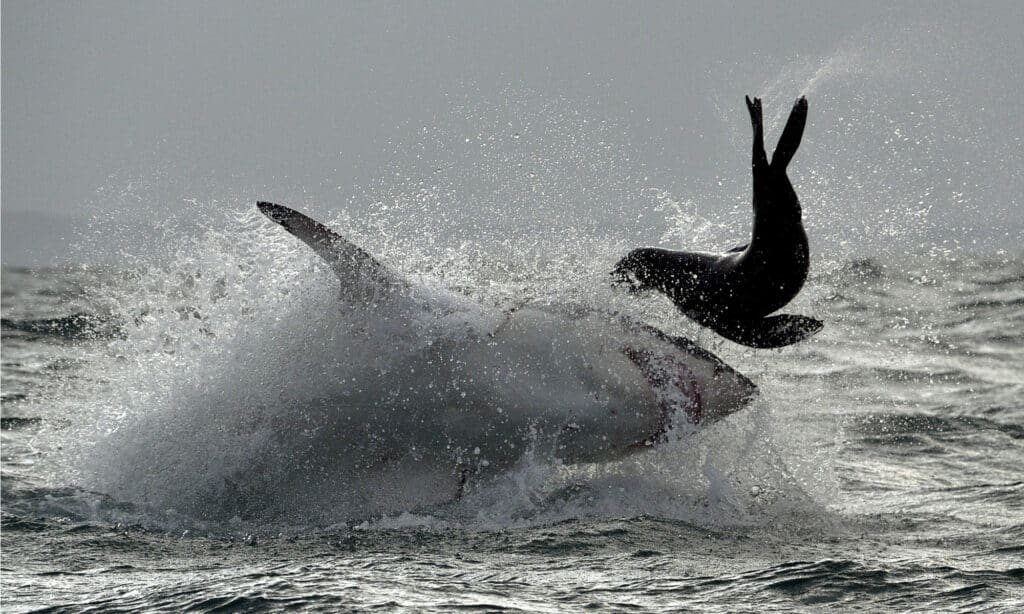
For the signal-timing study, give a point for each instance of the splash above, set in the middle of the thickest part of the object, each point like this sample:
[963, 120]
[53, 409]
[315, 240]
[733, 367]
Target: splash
[244, 391]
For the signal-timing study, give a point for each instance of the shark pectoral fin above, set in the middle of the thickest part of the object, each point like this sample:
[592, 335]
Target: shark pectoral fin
[771, 332]
[360, 274]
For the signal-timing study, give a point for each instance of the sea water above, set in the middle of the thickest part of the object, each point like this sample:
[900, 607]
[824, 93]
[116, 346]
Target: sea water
[880, 467]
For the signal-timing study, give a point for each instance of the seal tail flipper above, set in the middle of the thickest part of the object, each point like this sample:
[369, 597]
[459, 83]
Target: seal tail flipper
[791, 135]
[356, 268]
[760, 158]
[771, 332]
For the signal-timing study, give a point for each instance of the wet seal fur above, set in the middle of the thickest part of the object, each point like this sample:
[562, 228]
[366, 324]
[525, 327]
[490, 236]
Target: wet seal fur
[734, 293]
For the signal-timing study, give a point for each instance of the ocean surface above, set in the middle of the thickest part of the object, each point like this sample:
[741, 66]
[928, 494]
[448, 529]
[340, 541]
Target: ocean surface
[154, 420]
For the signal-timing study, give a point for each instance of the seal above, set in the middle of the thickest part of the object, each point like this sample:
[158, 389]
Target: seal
[734, 293]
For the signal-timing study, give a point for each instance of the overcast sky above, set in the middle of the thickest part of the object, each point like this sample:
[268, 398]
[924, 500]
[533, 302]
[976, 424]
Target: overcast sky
[916, 115]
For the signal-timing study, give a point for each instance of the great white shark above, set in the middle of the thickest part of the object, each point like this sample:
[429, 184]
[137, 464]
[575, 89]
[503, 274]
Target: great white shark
[597, 386]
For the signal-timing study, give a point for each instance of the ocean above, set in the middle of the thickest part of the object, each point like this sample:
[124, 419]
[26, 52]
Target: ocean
[155, 420]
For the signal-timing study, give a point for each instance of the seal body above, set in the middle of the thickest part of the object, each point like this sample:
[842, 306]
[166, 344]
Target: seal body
[734, 293]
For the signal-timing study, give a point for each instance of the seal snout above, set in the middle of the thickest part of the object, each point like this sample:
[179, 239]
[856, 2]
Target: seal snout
[627, 272]
[620, 275]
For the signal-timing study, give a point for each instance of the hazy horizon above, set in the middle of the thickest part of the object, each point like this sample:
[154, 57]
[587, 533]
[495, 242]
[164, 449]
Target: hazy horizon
[131, 113]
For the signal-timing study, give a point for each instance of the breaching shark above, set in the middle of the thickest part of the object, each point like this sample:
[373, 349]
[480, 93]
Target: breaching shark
[596, 386]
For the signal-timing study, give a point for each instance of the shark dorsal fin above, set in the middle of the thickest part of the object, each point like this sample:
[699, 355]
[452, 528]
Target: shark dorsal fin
[362, 277]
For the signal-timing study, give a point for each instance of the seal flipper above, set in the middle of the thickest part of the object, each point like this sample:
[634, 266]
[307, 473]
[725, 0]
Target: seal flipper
[770, 332]
[791, 135]
[760, 157]
[360, 274]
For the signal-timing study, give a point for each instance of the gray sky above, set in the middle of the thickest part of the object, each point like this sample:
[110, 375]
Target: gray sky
[132, 108]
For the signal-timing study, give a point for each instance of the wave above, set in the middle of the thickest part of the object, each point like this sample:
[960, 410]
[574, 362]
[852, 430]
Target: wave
[74, 327]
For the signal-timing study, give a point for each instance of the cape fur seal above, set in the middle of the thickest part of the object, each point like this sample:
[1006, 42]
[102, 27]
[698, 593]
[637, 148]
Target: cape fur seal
[733, 293]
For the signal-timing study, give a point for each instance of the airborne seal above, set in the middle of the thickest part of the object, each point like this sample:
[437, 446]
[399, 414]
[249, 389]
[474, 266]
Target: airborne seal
[734, 293]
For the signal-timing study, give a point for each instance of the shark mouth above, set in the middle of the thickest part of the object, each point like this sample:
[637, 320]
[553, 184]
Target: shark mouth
[675, 388]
